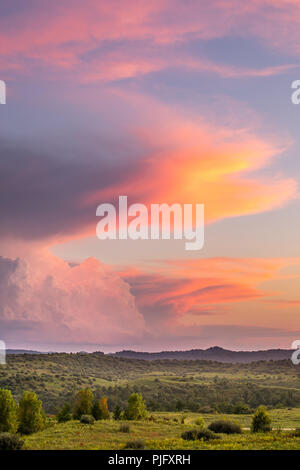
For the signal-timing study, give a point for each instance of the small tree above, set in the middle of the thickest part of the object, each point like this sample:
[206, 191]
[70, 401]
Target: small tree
[8, 412]
[96, 410]
[65, 414]
[31, 415]
[83, 403]
[117, 413]
[104, 408]
[261, 421]
[136, 407]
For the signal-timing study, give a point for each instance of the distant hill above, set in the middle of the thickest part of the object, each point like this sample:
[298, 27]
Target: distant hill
[22, 351]
[211, 354]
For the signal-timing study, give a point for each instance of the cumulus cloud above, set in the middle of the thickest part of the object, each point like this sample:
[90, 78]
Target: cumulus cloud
[43, 298]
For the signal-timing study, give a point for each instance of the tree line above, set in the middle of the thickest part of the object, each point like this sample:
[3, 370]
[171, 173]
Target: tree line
[28, 415]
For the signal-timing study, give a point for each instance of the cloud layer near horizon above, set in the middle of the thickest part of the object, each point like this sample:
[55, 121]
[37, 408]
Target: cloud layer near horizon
[44, 298]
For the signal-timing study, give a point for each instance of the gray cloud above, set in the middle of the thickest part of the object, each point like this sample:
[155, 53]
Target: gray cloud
[40, 193]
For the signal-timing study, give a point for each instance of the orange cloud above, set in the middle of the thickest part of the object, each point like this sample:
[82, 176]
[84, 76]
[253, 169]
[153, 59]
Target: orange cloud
[212, 291]
[200, 163]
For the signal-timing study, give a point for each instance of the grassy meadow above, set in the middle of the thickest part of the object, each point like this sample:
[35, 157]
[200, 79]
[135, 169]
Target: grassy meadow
[165, 433]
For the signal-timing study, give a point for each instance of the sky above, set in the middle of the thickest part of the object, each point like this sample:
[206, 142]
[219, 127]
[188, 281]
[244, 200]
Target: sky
[165, 102]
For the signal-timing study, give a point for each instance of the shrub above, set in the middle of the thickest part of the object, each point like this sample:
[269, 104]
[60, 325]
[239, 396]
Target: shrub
[64, 414]
[261, 421]
[124, 428]
[8, 412]
[206, 435]
[83, 403]
[137, 445]
[241, 408]
[226, 427]
[10, 441]
[31, 415]
[136, 407]
[200, 422]
[197, 434]
[87, 419]
[190, 435]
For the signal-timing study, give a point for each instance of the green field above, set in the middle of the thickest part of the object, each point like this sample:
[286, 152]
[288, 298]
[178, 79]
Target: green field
[164, 433]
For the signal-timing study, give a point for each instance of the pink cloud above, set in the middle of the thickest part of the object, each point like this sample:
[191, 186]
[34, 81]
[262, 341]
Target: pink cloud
[61, 34]
[49, 301]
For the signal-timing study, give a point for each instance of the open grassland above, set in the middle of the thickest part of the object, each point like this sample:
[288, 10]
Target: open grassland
[281, 419]
[164, 434]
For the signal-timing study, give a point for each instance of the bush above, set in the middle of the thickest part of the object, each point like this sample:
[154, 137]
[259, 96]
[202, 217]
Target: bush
[8, 412]
[241, 408]
[83, 403]
[31, 415]
[87, 419]
[207, 435]
[200, 422]
[190, 435]
[10, 441]
[295, 433]
[137, 445]
[136, 407]
[261, 421]
[64, 414]
[124, 428]
[196, 435]
[225, 427]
